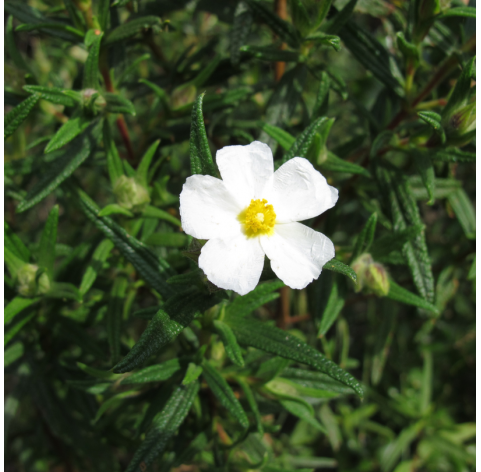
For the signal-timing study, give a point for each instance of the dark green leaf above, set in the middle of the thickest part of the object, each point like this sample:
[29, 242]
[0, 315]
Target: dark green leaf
[65, 97]
[334, 305]
[395, 241]
[165, 239]
[466, 12]
[18, 115]
[303, 142]
[461, 90]
[46, 253]
[71, 158]
[131, 28]
[337, 266]
[426, 171]
[52, 26]
[328, 39]
[154, 373]
[229, 340]
[336, 164]
[114, 163]
[200, 157]
[452, 155]
[99, 257]
[285, 139]
[15, 244]
[402, 295]
[240, 29]
[154, 270]
[115, 209]
[91, 68]
[271, 54]
[115, 314]
[16, 306]
[341, 17]
[71, 129]
[193, 372]
[267, 338]
[154, 212]
[365, 238]
[143, 168]
[282, 28]
[166, 325]
[464, 210]
[118, 104]
[221, 389]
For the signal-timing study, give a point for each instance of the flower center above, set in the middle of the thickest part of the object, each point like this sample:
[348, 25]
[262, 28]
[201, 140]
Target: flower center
[258, 218]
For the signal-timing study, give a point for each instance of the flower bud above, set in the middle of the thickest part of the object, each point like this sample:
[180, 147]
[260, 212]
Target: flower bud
[376, 279]
[462, 121]
[92, 101]
[131, 194]
[27, 283]
[361, 266]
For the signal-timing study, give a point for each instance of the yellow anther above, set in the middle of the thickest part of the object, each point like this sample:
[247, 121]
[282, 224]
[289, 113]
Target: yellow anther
[258, 218]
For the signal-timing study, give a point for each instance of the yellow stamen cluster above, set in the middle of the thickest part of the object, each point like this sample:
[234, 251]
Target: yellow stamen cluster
[258, 218]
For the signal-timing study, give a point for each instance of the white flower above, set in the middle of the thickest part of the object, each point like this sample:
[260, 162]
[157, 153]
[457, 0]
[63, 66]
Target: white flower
[254, 212]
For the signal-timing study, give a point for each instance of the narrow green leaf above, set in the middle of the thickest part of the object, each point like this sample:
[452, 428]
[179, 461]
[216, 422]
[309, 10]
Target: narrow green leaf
[303, 142]
[381, 141]
[221, 389]
[12, 353]
[240, 29]
[372, 55]
[323, 38]
[114, 163]
[113, 403]
[143, 168]
[452, 155]
[249, 396]
[15, 244]
[300, 410]
[161, 93]
[13, 263]
[257, 334]
[117, 104]
[336, 164]
[191, 278]
[426, 171]
[206, 72]
[177, 313]
[402, 295]
[384, 338]
[466, 12]
[134, 66]
[315, 381]
[16, 328]
[91, 67]
[16, 306]
[341, 17]
[71, 158]
[365, 238]
[131, 28]
[442, 187]
[11, 47]
[164, 426]
[115, 314]
[200, 157]
[68, 131]
[154, 373]
[99, 256]
[262, 294]
[461, 90]
[154, 212]
[46, 253]
[18, 115]
[285, 139]
[154, 270]
[282, 28]
[334, 305]
[322, 98]
[115, 209]
[54, 26]
[27, 14]
[472, 270]
[395, 241]
[434, 120]
[97, 373]
[65, 97]
[229, 340]
[193, 373]
[464, 211]
[337, 266]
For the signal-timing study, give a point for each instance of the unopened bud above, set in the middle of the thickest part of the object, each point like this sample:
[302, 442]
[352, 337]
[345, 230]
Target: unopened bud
[92, 101]
[361, 266]
[463, 120]
[377, 280]
[130, 194]
[27, 283]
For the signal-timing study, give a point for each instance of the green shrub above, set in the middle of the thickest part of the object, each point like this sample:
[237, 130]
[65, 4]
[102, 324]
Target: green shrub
[120, 354]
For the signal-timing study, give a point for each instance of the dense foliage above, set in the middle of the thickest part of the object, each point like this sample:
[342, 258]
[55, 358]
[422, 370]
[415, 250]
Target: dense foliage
[120, 355]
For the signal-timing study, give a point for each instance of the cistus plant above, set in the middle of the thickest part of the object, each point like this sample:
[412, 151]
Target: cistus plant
[133, 345]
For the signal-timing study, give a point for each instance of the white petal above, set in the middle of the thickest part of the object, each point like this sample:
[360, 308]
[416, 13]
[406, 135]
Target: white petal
[297, 253]
[245, 169]
[234, 263]
[299, 192]
[207, 208]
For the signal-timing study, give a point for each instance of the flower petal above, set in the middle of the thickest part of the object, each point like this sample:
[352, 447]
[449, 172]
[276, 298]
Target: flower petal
[234, 263]
[299, 192]
[245, 169]
[207, 208]
[297, 253]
